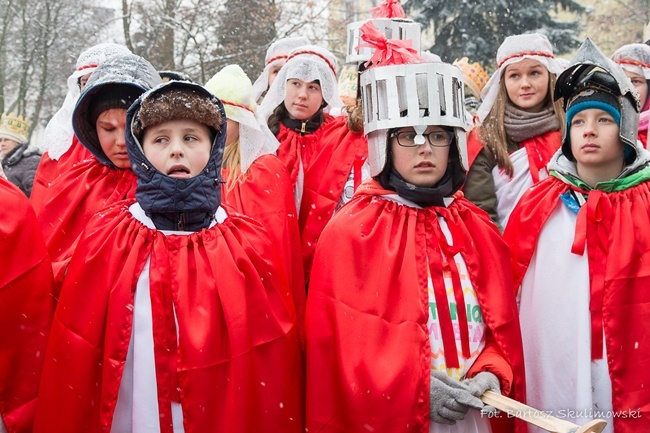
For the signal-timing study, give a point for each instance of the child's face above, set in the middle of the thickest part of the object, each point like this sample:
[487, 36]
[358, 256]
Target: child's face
[527, 84]
[422, 165]
[640, 84]
[232, 132]
[595, 142]
[273, 72]
[110, 132]
[178, 148]
[7, 145]
[302, 99]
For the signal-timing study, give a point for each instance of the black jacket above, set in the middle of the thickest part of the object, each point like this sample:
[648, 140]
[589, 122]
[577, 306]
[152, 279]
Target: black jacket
[20, 167]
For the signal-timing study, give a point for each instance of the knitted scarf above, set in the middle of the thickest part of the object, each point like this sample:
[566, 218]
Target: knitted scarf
[521, 125]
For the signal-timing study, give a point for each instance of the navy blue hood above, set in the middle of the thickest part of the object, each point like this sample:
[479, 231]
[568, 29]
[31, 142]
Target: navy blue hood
[177, 204]
[116, 83]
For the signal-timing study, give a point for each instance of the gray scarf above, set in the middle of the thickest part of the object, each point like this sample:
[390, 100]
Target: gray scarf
[521, 125]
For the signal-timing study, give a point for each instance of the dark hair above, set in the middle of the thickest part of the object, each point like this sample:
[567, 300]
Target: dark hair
[281, 113]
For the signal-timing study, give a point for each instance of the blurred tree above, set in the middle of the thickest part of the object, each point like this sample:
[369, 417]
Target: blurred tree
[477, 28]
[613, 23]
[247, 28]
[39, 43]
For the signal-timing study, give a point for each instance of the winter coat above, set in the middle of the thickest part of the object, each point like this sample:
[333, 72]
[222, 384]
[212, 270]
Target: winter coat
[20, 167]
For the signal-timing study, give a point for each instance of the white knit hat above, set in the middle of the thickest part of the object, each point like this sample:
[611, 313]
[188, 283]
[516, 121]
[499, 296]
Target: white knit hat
[276, 55]
[58, 132]
[514, 49]
[234, 88]
[307, 63]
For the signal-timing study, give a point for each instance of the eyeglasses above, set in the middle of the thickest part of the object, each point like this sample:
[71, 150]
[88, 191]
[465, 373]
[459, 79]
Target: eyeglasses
[435, 138]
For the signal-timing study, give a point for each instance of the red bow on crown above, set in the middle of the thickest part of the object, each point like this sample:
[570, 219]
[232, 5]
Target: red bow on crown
[387, 51]
[389, 9]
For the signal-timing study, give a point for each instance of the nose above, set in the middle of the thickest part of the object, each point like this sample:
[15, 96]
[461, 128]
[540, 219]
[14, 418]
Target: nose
[589, 129]
[425, 148]
[176, 148]
[120, 139]
[302, 92]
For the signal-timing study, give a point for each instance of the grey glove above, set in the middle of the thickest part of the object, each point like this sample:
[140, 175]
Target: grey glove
[450, 399]
[482, 382]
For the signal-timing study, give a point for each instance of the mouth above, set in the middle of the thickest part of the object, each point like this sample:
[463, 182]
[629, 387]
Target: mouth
[527, 95]
[179, 171]
[425, 164]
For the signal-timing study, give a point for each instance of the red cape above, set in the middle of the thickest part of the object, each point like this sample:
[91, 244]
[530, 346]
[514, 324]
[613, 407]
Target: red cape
[615, 228]
[368, 350]
[236, 361]
[265, 194]
[74, 197]
[341, 151]
[295, 147]
[643, 137]
[26, 308]
[49, 169]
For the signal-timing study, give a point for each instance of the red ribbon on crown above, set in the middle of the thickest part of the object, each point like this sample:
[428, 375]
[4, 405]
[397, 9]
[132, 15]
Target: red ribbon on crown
[389, 9]
[387, 51]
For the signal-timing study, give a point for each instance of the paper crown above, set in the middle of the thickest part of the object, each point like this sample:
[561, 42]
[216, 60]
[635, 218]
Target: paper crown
[390, 20]
[14, 127]
[475, 76]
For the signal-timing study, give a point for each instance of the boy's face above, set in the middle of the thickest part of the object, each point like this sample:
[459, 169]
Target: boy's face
[595, 142]
[110, 132]
[178, 148]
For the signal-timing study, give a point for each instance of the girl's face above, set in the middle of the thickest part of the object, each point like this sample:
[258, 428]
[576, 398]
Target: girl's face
[273, 72]
[110, 132]
[232, 132]
[595, 142]
[302, 99]
[641, 85]
[421, 165]
[527, 84]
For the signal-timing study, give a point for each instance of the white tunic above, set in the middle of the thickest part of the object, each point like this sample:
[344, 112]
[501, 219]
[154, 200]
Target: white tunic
[556, 330]
[509, 190]
[136, 410]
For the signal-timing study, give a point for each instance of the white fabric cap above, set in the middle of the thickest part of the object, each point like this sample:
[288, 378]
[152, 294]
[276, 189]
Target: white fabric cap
[415, 94]
[514, 49]
[58, 132]
[234, 88]
[307, 63]
[276, 54]
[634, 58]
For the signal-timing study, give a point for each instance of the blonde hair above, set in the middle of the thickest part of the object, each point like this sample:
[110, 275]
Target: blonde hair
[492, 131]
[355, 116]
[232, 160]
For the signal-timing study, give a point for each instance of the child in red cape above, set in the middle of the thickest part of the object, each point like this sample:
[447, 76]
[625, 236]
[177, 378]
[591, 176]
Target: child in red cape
[411, 313]
[62, 148]
[581, 252]
[256, 184]
[26, 309]
[520, 126]
[92, 184]
[175, 316]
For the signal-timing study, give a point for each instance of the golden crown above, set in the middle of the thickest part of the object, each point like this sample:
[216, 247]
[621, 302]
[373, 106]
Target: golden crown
[476, 77]
[14, 124]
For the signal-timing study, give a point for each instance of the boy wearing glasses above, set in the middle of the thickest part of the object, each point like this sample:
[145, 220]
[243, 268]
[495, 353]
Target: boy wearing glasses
[411, 313]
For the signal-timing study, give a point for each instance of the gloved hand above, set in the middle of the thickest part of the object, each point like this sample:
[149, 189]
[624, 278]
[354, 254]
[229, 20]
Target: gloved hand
[450, 399]
[482, 382]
